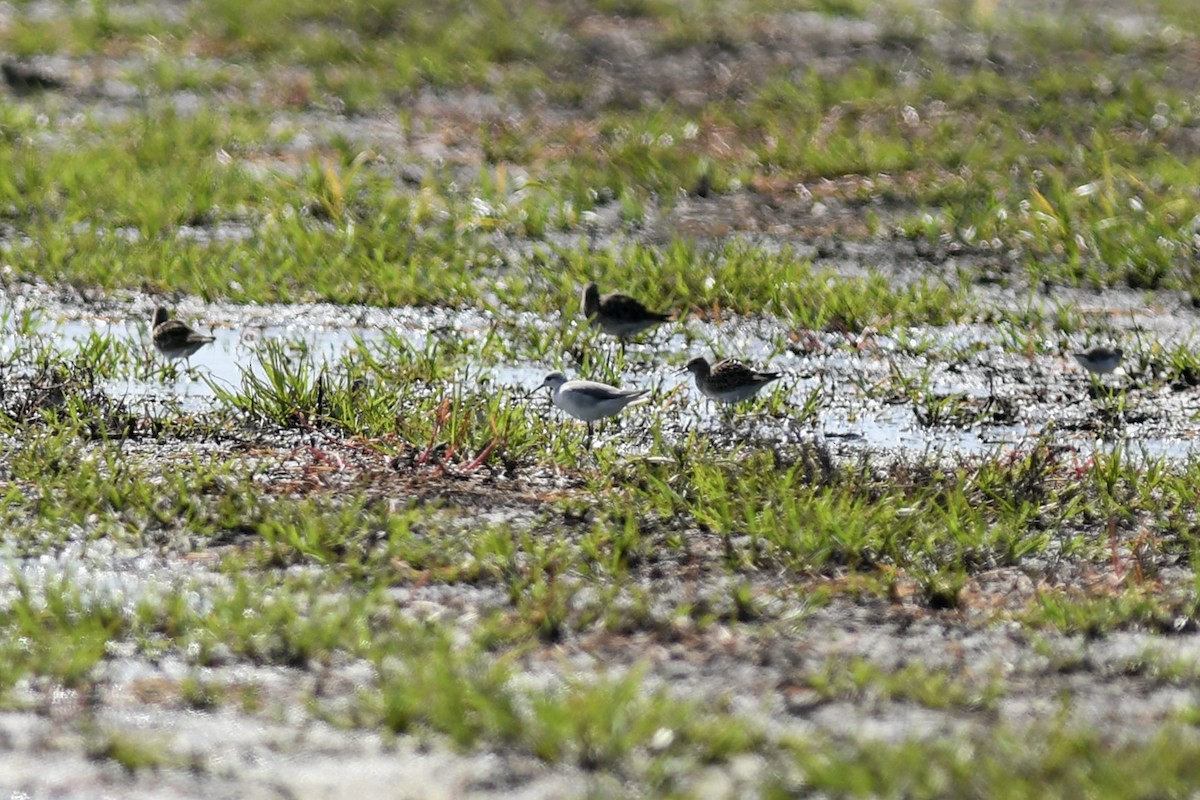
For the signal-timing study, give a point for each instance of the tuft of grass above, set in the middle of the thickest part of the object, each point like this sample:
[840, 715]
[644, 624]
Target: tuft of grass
[1047, 761]
[597, 725]
[858, 678]
[132, 752]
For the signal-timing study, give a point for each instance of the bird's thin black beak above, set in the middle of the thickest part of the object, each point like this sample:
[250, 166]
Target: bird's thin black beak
[533, 391]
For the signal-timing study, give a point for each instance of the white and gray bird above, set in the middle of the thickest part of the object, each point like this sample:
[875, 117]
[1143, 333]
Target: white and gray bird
[1100, 360]
[728, 381]
[588, 400]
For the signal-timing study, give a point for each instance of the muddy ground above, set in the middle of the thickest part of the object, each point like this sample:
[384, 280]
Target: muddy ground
[1017, 676]
[1023, 678]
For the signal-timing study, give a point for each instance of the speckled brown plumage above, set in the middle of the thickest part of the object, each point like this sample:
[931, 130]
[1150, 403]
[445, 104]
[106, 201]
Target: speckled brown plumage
[618, 314]
[728, 381]
[174, 338]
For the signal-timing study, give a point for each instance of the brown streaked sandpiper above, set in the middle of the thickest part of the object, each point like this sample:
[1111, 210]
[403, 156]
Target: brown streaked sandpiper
[728, 381]
[174, 338]
[618, 314]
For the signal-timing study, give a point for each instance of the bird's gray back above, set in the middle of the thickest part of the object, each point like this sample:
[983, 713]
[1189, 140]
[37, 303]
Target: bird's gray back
[600, 391]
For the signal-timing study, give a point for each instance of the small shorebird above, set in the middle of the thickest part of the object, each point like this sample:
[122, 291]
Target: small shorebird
[23, 79]
[617, 314]
[728, 381]
[174, 338]
[1100, 360]
[588, 400]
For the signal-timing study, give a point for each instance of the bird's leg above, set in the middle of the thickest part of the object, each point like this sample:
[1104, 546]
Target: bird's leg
[714, 406]
[589, 436]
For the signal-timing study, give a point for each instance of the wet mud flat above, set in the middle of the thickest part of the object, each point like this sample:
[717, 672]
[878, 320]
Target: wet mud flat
[858, 653]
[848, 652]
[346, 551]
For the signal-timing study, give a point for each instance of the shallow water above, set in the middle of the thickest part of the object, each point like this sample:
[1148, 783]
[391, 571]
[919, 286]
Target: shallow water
[870, 385]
